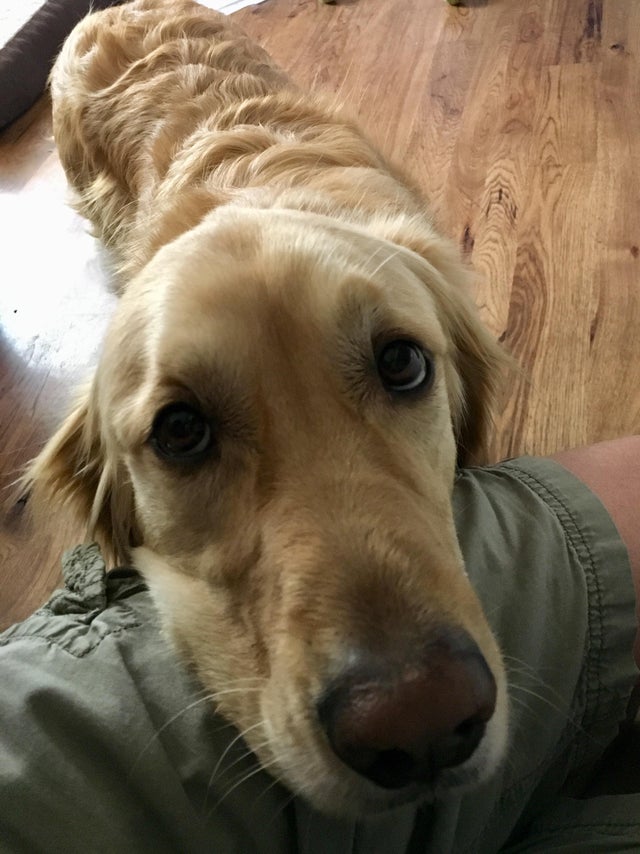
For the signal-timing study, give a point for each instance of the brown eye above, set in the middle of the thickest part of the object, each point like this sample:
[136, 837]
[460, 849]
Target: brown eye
[404, 366]
[180, 432]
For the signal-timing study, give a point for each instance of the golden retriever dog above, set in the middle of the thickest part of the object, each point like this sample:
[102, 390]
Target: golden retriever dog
[271, 436]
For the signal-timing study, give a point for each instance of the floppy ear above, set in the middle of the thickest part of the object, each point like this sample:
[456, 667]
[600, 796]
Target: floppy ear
[74, 469]
[480, 364]
[480, 361]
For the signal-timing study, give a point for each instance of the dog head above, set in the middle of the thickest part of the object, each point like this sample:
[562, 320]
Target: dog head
[271, 438]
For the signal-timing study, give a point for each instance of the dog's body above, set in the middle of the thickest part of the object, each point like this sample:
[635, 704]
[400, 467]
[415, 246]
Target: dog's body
[272, 431]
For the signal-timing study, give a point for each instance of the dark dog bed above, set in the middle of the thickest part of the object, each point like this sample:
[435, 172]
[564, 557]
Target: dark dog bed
[27, 56]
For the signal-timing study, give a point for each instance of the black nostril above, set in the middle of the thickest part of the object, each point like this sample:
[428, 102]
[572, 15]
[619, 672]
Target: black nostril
[392, 769]
[456, 748]
[472, 730]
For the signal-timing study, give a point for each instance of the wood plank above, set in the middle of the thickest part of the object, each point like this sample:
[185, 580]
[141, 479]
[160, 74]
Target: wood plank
[54, 306]
[521, 124]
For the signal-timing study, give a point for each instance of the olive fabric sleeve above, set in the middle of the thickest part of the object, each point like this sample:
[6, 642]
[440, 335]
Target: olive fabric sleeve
[108, 744]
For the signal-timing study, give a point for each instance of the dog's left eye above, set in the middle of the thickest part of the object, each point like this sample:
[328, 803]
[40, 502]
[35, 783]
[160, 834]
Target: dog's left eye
[180, 432]
[404, 366]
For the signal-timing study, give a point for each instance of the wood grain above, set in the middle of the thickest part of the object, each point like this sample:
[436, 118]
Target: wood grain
[520, 122]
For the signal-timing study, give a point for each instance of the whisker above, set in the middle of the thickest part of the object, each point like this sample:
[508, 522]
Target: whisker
[526, 669]
[168, 723]
[287, 800]
[243, 779]
[385, 261]
[207, 696]
[234, 741]
[247, 753]
[538, 696]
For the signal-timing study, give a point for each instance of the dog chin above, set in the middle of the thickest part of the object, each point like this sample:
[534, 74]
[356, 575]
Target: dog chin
[346, 799]
[344, 794]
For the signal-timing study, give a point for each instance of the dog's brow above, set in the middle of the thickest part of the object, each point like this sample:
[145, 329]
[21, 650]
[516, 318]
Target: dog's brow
[209, 390]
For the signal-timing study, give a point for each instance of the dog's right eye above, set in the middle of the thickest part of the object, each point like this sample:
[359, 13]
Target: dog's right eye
[403, 366]
[180, 433]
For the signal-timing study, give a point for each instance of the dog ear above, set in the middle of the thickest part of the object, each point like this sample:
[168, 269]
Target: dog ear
[480, 364]
[479, 360]
[74, 469]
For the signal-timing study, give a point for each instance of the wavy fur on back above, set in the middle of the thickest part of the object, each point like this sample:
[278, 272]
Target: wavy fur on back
[159, 119]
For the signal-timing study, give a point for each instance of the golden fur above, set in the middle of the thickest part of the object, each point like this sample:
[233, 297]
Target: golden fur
[263, 244]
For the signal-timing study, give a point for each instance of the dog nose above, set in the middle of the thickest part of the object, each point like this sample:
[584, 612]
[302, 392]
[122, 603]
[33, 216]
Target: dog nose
[398, 723]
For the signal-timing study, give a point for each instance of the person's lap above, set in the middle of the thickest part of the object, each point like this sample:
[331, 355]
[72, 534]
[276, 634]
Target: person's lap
[104, 744]
[611, 470]
[540, 624]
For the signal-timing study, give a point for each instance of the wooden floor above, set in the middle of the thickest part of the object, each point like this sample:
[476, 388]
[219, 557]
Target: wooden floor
[521, 122]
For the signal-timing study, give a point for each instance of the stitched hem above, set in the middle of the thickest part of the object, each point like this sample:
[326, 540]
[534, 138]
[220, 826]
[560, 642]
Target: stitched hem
[609, 669]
